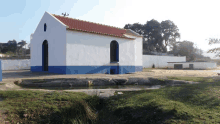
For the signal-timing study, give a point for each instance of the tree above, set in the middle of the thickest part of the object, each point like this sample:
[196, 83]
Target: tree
[152, 33]
[27, 51]
[186, 48]
[198, 53]
[214, 41]
[169, 31]
[19, 47]
[174, 46]
[12, 45]
[9, 47]
[156, 35]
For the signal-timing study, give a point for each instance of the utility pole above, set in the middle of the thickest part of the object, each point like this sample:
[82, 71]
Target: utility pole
[64, 14]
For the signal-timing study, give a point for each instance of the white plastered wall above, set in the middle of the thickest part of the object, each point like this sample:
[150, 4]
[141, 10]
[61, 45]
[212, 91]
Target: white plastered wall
[15, 64]
[88, 49]
[196, 65]
[138, 51]
[56, 37]
[138, 46]
[160, 61]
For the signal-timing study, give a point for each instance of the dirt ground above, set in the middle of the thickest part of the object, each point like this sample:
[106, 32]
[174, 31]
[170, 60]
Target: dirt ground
[10, 76]
[187, 73]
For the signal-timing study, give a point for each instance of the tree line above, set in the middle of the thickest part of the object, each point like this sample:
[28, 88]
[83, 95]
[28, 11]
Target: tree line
[157, 36]
[14, 48]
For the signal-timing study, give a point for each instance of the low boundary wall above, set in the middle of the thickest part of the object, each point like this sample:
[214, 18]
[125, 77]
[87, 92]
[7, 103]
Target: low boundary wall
[15, 64]
[160, 61]
[196, 65]
[148, 61]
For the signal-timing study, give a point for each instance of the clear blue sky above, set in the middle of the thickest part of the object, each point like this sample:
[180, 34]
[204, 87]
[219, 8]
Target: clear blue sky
[196, 20]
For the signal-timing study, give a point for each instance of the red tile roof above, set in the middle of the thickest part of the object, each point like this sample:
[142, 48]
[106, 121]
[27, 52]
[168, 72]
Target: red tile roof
[85, 26]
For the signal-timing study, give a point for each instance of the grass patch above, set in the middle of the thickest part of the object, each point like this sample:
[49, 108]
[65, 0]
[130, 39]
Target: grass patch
[164, 68]
[49, 107]
[197, 103]
[147, 69]
[189, 103]
[195, 79]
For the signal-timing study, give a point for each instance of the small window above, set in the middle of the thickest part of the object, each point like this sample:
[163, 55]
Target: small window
[45, 27]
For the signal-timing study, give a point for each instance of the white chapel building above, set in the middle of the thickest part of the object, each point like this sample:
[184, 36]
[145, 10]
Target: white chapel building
[70, 46]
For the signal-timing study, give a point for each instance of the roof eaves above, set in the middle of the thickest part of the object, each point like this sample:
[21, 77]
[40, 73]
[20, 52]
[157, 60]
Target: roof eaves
[129, 30]
[100, 33]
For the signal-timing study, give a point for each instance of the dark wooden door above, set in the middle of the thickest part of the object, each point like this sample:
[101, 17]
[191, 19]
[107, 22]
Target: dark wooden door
[191, 66]
[45, 56]
[178, 66]
[114, 69]
[114, 51]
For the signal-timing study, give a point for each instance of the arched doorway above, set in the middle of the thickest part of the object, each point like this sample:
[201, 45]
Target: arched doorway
[45, 55]
[114, 57]
[114, 51]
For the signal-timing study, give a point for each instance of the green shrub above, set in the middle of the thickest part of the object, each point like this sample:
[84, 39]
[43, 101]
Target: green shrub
[153, 66]
[17, 82]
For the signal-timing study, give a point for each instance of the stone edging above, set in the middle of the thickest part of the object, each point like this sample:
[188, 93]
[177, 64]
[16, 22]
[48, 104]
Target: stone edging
[85, 82]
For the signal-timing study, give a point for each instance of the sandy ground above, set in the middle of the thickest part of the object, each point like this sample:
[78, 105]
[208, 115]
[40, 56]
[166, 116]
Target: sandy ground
[187, 73]
[10, 76]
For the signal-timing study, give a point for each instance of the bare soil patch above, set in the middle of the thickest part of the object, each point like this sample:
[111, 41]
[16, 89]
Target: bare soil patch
[12, 76]
[186, 73]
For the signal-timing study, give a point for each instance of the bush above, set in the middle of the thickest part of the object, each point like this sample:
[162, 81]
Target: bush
[153, 66]
[17, 82]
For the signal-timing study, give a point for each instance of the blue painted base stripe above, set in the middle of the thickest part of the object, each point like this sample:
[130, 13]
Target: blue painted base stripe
[36, 68]
[89, 69]
[138, 68]
[57, 69]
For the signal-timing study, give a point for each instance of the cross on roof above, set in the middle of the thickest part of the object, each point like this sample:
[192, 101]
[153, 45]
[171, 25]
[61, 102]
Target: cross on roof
[64, 14]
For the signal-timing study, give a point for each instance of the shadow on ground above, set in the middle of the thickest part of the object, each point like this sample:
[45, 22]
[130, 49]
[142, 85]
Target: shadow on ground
[150, 113]
[24, 74]
[197, 94]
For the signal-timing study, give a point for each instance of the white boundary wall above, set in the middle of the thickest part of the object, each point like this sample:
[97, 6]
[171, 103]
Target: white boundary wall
[25, 63]
[160, 61]
[15, 64]
[196, 65]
